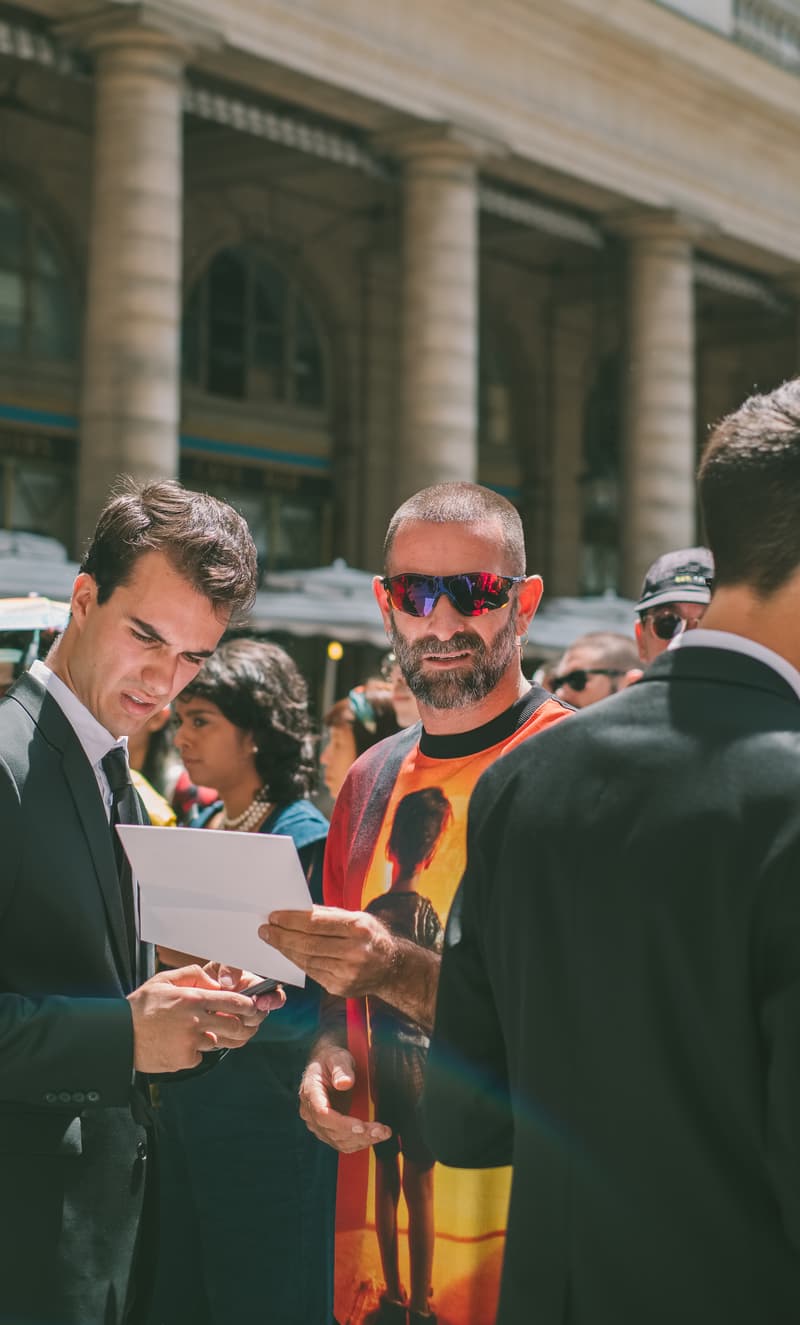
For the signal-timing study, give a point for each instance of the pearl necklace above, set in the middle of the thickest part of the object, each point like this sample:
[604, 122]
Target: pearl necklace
[248, 819]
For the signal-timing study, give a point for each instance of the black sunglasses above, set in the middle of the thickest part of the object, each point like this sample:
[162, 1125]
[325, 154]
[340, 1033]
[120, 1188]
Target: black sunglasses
[471, 594]
[577, 680]
[666, 625]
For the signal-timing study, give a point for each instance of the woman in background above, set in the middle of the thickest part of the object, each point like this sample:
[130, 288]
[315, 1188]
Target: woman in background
[353, 725]
[152, 753]
[405, 705]
[247, 1193]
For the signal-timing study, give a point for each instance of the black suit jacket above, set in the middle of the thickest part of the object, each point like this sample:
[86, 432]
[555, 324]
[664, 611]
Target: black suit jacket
[619, 1008]
[72, 1154]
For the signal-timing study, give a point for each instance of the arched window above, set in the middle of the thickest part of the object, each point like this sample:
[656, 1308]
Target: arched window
[37, 316]
[248, 334]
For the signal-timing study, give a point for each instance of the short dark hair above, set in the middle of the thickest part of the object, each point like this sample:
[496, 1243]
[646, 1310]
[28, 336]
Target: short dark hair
[419, 821]
[205, 539]
[462, 503]
[371, 720]
[258, 688]
[609, 649]
[749, 482]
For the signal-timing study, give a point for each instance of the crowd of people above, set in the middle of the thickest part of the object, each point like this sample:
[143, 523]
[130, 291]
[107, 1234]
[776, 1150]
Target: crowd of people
[544, 1066]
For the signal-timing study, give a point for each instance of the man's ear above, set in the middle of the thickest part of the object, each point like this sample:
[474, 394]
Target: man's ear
[638, 630]
[529, 596]
[84, 597]
[382, 599]
[630, 678]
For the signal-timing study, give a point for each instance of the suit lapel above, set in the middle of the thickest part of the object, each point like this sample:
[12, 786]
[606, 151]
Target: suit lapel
[91, 813]
[82, 785]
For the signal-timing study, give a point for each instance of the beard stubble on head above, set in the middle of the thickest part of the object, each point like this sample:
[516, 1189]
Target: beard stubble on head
[463, 685]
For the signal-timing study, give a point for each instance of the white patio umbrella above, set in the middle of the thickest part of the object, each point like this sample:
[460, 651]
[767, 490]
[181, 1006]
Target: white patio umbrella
[34, 564]
[333, 601]
[32, 613]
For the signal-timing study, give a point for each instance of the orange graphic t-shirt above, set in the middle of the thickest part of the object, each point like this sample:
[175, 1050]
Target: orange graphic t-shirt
[412, 804]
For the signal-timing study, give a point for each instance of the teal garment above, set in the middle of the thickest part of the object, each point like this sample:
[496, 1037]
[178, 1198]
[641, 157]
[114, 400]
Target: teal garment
[302, 821]
[248, 1195]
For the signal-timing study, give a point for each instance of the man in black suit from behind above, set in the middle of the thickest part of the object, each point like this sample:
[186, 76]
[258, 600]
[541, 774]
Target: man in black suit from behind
[619, 1003]
[80, 1024]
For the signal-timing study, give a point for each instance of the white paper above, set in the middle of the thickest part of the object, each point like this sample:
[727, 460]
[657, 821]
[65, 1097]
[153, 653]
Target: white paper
[207, 892]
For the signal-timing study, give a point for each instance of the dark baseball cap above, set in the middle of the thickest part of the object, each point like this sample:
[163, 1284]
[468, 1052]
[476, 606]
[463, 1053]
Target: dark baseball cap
[684, 576]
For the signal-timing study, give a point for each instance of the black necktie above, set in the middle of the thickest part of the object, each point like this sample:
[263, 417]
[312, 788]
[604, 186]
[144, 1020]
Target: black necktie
[123, 811]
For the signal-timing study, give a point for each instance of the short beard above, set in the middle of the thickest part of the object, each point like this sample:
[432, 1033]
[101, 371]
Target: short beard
[462, 686]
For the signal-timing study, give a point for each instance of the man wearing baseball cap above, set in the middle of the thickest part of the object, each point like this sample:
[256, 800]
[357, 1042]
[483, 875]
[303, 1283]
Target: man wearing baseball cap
[675, 595]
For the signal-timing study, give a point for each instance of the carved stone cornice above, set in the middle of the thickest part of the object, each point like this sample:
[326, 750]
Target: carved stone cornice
[96, 26]
[663, 224]
[463, 142]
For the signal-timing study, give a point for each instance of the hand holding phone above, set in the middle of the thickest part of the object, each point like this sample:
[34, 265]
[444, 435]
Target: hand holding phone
[263, 987]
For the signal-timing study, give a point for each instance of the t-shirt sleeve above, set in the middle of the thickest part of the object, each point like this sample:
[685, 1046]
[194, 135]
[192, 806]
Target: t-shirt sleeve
[336, 850]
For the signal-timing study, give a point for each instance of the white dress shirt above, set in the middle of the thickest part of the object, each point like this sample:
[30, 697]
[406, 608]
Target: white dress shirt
[725, 639]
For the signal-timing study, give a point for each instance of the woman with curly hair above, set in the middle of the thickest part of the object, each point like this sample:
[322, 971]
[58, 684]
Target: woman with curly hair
[247, 1193]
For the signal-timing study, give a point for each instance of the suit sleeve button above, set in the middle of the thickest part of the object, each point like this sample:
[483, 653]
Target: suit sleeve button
[93, 1096]
[51, 1097]
[64, 1097]
[78, 1097]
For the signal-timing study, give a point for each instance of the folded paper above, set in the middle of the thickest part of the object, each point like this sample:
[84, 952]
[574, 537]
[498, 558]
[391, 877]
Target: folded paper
[207, 892]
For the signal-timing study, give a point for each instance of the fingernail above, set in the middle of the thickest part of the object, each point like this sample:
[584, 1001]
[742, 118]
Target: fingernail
[226, 981]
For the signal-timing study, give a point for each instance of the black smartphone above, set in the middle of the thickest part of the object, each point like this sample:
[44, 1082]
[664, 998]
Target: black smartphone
[263, 987]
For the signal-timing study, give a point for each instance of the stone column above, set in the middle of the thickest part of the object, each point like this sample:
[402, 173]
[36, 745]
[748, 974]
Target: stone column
[381, 385]
[658, 507]
[439, 387]
[130, 401]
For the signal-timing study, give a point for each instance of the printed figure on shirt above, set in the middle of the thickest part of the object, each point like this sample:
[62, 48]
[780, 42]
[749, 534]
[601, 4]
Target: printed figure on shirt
[399, 1044]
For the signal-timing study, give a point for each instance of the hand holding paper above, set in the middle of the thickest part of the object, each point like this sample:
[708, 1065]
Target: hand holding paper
[206, 892]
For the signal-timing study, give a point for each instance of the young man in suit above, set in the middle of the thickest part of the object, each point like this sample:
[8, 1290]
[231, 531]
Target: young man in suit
[619, 1003]
[80, 1024]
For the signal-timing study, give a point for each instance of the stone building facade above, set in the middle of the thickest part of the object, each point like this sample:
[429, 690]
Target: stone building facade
[313, 256]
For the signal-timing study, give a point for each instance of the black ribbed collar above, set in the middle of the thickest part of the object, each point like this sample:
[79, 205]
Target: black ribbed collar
[460, 745]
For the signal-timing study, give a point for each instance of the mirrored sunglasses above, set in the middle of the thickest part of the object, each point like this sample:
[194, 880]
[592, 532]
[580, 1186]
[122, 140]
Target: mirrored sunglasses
[667, 625]
[578, 679]
[472, 594]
